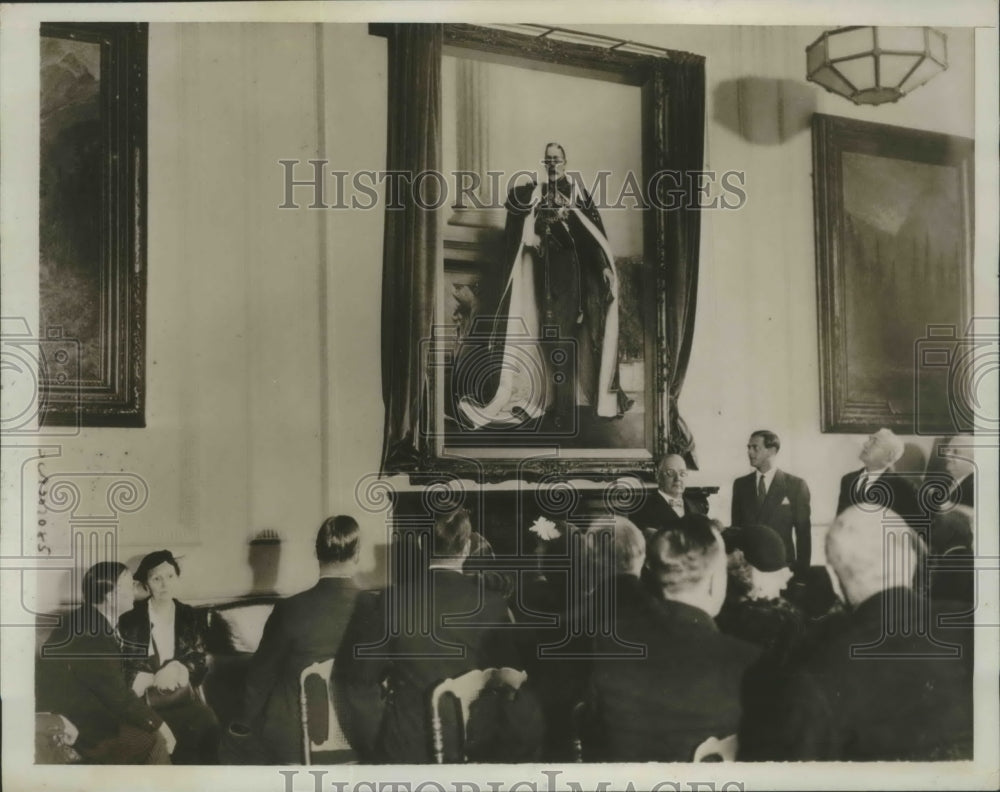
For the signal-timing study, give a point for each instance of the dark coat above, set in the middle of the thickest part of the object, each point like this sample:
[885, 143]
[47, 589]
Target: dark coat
[81, 675]
[655, 513]
[965, 493]
[784, 517]
[891, 490]
[872, 693]
[456, 638]
[193, 723]
[661, 706]
[775, 625]
[189, 641]
[303, 629]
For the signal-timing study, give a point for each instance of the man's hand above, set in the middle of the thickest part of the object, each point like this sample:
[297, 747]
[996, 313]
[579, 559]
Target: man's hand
[168, 736]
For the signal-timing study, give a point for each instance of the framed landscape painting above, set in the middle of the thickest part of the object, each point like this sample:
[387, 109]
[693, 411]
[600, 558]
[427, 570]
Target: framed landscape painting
[893, 219]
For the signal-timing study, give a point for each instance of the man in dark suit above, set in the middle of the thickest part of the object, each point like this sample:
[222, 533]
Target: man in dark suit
[684, 689]
[446, 624]
[668, 504]
[958, 462]
[81, 677]
[301, 630]
[774, 498]
[893, 684]
[877, 484]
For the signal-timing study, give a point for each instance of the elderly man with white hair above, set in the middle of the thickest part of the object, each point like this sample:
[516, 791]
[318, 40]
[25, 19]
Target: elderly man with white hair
[878, 486]
[891, 685]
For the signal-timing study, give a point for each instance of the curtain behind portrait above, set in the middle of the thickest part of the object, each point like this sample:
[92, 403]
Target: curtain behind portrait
[685, 84]
[411, 236]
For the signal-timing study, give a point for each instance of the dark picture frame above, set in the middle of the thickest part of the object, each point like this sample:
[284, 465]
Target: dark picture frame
[415, 330]
[92, 224]
[894, 230]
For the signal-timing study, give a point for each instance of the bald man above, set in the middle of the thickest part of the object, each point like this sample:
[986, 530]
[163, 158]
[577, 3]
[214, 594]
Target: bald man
[667, 504]
[890, 685]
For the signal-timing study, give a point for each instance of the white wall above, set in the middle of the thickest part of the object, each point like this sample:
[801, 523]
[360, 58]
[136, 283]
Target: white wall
[264, 395]
[262, 366]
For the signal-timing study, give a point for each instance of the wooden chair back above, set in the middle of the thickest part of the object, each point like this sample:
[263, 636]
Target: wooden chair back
[467, 688]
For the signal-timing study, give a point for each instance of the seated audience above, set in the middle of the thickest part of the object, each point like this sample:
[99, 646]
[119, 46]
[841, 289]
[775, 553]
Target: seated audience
[170, 660]
[877, 484]
[662, 704]
[558, 658]
[886, 687]
[760, 614]
[301, 630]
[446, 624]
[80, 676]
[953, 576]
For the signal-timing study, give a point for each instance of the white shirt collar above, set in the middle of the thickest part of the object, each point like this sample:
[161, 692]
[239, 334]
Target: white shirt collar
[768, 477]
[874, 474]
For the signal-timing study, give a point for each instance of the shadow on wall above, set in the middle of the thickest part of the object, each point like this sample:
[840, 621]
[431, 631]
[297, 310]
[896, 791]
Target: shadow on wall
[762, 110]
[264, 559]
[378, 576]
[913, 461]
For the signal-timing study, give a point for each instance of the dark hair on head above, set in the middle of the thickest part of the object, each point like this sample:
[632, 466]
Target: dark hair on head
[680, 556]
[153, 560]
[452, 532]
[771, 440]
[558, 146]
[100, 580]
[337, 539]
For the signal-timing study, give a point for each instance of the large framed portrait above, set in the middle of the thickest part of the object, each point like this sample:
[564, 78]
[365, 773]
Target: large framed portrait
[560, 272]
[92, 268]
[893, 209]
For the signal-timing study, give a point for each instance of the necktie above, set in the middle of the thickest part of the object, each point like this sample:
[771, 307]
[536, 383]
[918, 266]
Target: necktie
[676, 504]
[761, 489]
[862, 485]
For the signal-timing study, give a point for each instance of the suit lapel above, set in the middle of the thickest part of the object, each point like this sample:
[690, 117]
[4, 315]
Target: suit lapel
[775, 493]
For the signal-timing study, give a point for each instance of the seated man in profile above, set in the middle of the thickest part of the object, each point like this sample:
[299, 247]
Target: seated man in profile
[892, 684]
[878, 484]
[686, 689]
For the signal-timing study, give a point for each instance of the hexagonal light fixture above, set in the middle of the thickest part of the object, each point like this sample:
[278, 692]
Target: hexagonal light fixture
[874, 65]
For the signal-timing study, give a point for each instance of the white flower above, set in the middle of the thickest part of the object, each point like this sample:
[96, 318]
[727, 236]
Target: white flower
[545, 529]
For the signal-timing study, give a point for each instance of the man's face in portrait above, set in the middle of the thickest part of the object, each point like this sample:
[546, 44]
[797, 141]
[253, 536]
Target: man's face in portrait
[555, 162]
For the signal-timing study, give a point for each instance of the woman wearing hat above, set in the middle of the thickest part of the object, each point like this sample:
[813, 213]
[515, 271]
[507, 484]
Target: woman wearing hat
[175, 663]
[755, 610]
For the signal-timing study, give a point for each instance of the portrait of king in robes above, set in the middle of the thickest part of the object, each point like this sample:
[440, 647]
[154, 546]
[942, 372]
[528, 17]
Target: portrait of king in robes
[551, 350]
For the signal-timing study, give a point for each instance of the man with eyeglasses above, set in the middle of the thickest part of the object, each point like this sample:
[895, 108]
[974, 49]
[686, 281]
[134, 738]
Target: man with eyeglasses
[668, 504]
[553, 351]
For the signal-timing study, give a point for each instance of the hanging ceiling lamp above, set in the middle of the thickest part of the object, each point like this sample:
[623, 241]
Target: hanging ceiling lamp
[873, 65]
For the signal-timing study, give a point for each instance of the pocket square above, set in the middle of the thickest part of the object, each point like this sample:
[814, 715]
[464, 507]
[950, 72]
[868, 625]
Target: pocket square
[786, 502]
